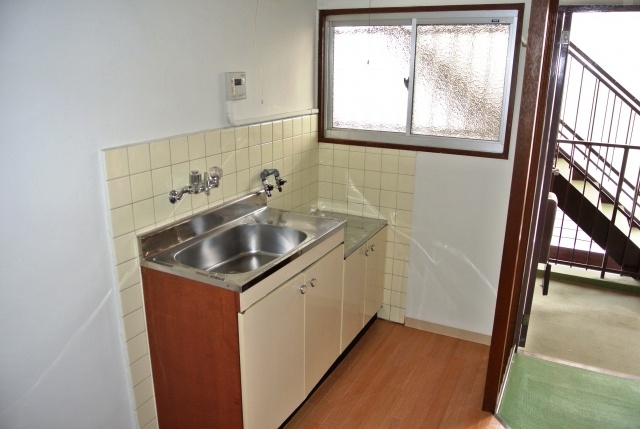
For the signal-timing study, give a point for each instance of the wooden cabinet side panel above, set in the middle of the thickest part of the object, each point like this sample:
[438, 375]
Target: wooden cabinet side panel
[353, 296]
[323, 315]
[195, 358]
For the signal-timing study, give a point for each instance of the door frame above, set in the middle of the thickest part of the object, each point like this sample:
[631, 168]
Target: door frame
[544, 174]
[530, 143]
[522, 196]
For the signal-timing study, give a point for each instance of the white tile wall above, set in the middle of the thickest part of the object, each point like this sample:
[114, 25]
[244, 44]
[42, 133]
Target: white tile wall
[350, 179]
[376, 183]
[139, 178]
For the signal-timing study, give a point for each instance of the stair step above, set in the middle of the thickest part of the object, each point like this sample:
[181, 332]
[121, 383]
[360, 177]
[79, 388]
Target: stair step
[592, 217]
[563, 167]
[588, 190]
[591, 192]
[635, 236]
[607, 210]
[622, 223]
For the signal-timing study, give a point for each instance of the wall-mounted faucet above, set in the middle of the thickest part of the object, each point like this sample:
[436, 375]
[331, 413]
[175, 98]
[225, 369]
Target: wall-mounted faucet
[198, 184]
[265, 183]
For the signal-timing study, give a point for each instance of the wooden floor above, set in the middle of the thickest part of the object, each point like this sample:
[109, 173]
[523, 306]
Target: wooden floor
[399, 377]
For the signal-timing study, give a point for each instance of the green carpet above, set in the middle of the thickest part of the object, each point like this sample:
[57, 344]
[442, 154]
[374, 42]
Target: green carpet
[547, 395]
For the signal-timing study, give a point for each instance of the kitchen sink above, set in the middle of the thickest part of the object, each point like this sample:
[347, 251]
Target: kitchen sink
[236, 245]
[240, 249]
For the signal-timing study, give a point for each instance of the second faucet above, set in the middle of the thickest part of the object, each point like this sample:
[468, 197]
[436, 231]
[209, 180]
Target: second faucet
[265, 183]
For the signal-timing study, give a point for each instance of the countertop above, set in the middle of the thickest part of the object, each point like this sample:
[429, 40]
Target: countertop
[358, 229]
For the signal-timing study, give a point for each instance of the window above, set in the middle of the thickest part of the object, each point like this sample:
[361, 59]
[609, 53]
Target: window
[435, 80]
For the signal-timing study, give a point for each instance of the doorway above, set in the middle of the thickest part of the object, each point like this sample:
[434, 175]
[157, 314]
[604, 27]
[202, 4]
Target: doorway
[581, 324]
[594, 23]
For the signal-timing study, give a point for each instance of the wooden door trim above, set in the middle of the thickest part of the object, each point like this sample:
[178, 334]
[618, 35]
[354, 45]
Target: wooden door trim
[526, 159]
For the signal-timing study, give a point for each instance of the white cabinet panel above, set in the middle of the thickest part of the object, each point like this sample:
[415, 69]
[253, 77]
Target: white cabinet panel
[376, 256]
[323, 307]
[272, 356]
[355, 269]
[288, 341]
[363, 286]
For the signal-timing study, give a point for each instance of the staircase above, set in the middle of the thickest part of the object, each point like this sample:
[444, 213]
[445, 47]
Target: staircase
[597, 170]
[592, 212]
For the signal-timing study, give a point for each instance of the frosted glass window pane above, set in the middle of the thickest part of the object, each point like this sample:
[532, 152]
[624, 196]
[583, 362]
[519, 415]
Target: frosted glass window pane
[370, 63]
[459, 80]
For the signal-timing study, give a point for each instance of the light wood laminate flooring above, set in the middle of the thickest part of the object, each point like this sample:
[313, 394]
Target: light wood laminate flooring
[400, 377]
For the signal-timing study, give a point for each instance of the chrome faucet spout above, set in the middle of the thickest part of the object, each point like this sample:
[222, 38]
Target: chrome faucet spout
[197, 184]
[175, 196]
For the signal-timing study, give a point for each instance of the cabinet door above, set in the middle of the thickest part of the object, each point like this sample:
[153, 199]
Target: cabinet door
[272, 356]
[323, 313]
[355, 267]
[375, 274]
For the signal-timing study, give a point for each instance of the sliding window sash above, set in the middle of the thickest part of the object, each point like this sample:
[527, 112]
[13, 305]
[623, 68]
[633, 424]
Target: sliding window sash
[407, 139]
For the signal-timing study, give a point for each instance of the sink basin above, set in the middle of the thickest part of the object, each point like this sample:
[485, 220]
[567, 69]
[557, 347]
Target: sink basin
[240, 249]
[236, 245]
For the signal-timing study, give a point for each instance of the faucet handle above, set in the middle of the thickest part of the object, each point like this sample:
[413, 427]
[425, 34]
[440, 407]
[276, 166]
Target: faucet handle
[279, 182]
[213, 179]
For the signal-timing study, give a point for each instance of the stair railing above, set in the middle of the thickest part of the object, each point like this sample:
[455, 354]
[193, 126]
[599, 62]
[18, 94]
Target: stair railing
[596, 137]
[582, 175]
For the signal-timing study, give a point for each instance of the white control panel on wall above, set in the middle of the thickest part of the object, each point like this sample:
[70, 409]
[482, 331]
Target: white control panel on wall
[236, 85]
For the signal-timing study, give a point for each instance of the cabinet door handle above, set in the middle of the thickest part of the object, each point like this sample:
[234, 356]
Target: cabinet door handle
[368, 249]
[313, 282]
[303, 289]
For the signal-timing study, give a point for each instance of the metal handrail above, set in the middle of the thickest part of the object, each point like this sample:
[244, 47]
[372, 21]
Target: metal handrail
[570, 157]
[603, 110]
[608, 80]
[601, 158]
[618, 100]
[630, 191]
[590, 143]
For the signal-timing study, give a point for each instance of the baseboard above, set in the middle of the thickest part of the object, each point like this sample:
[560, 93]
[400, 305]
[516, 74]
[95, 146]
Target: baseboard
[448, 331]
[581, 276]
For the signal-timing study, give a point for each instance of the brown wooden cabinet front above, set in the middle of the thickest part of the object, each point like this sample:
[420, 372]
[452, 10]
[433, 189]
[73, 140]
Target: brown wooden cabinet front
[195, 357]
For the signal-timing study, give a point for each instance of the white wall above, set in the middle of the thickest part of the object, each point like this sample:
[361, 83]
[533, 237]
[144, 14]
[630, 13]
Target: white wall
[458, 223]
[78, 76]
[459, 219]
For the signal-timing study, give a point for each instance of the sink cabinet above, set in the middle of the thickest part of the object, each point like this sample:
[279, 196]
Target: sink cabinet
[363, 285]
[243, 306]
[288, 341]
[229, 360]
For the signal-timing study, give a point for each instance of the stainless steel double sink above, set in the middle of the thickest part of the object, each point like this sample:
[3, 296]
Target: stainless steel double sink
[235, 245]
